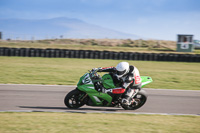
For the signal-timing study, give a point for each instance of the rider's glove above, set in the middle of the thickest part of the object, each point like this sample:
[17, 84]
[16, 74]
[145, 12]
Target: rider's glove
[95, 69]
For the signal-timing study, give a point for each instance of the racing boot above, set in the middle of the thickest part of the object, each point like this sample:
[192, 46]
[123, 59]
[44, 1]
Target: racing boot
[127, 100]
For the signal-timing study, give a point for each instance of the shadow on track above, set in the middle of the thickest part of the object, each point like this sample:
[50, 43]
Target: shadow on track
[67, 109]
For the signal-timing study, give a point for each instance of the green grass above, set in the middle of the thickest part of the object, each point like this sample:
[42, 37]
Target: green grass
[66, 71]
[96, 123]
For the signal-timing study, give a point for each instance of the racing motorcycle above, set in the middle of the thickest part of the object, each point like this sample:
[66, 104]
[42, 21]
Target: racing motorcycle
[86, 93]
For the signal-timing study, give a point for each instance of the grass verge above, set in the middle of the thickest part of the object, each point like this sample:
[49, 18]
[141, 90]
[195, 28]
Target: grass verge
[96, 123]
[117, 45]
[66, 71]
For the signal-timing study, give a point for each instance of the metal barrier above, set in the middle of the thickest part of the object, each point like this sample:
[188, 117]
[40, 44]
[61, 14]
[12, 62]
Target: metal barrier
[67, 53]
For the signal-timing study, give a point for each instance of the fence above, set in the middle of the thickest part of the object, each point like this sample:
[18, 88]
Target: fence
[67, 53]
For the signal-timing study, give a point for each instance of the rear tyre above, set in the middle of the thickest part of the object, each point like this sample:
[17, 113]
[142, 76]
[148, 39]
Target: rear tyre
[139, 100]
[73, 99]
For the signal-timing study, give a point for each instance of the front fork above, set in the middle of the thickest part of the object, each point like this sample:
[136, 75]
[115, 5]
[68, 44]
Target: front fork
[83, 97]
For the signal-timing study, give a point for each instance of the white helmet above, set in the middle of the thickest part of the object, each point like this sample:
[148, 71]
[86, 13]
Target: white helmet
[122, 69]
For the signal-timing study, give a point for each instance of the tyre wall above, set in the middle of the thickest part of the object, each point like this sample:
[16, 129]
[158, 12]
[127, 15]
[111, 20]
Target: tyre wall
[67, 53]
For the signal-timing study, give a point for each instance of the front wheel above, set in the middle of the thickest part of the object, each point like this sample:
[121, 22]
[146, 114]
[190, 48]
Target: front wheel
[74, 99]
[138, 101]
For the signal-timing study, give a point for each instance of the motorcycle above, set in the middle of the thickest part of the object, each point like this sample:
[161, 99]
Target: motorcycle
[86, 93]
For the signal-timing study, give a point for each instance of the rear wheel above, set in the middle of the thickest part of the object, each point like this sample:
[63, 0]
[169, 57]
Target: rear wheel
[138, 101]
[74, 99]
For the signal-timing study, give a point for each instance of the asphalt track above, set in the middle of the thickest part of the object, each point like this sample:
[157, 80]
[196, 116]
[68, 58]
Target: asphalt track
[49, 98]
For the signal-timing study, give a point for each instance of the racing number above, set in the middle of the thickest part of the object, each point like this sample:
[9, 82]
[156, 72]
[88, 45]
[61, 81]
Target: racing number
[87, 80]
[184, 46]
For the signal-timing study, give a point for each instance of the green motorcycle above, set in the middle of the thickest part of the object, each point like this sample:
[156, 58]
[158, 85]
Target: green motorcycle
[86, 93]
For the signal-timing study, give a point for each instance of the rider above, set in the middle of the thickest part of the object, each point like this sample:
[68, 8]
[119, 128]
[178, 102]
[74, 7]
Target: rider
[128, 76]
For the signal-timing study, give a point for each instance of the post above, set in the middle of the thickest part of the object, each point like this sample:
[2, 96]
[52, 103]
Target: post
[0, 35]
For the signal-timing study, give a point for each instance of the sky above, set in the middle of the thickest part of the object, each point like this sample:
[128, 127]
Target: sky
[152, 19]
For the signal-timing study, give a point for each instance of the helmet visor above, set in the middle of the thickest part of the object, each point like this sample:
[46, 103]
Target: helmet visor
[121, 72]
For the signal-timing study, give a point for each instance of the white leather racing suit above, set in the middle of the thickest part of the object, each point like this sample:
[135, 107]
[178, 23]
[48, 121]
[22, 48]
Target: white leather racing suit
[130, 83]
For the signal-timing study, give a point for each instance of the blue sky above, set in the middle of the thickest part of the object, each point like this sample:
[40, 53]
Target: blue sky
[154, 19]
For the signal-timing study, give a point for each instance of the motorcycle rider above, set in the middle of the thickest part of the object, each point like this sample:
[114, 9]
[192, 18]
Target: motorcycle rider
[129, 78]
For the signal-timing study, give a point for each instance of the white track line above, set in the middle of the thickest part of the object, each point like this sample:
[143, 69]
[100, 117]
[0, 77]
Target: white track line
[103, 112]
[75, 86]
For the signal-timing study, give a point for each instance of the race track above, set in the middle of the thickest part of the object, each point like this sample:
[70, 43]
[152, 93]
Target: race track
[50, 98]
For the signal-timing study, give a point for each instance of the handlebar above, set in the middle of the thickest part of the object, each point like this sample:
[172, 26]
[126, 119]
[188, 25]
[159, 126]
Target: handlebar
[94, 75]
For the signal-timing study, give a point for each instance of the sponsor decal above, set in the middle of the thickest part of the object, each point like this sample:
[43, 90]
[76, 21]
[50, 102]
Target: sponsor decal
[137, 79]
[97, 99]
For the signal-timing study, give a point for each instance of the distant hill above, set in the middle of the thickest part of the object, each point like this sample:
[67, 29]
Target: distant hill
[61, 27]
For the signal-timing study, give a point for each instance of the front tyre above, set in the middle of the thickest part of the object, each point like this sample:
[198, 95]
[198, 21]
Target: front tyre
[138, 101]
[73, 99]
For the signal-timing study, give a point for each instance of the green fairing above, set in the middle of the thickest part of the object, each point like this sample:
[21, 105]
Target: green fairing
[146, 80]
[86, 85]
[108, 81]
